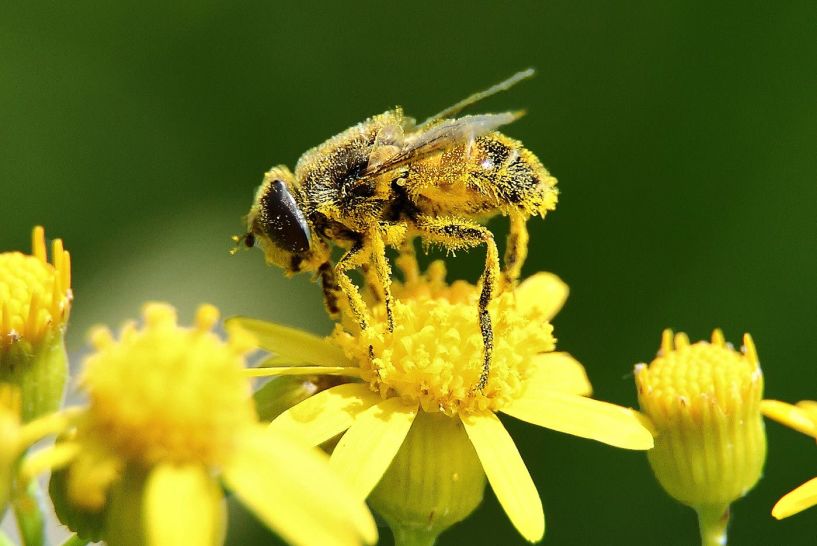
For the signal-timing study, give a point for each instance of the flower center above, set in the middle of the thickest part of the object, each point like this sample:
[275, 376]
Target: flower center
[435, 354]
[35, 294]
[168, 393]
[688, 372]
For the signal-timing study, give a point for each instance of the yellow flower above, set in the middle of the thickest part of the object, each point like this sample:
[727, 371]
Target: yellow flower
[801, 417]
[35, 301]
[704, 402]
[170, 417]
[417, 382]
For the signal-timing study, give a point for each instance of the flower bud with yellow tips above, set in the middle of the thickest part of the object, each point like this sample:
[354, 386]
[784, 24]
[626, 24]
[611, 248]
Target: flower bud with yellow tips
[35, 301]
[704, 402]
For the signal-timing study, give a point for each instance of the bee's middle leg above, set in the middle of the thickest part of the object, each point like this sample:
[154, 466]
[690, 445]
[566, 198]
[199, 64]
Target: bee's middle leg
[454, 234]
[383, 271]
[354, 257]
[516, 250]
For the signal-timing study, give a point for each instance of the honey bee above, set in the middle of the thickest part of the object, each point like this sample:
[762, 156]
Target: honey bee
[388, 180]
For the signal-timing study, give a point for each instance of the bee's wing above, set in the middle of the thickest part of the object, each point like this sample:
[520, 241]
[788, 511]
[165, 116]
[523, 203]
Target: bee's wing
[441, 136]
[478, 96]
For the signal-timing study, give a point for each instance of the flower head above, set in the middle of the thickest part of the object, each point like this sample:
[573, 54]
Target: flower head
[169, 413]
[35, 301]
[704, 401]
[417, 383]
[803, 418]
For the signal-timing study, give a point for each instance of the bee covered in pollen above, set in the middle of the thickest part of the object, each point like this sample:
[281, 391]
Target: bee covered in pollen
[385, 182]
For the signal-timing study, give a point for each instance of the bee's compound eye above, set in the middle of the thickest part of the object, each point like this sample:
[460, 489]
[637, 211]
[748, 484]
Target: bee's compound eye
[282, 220]
[249, 240]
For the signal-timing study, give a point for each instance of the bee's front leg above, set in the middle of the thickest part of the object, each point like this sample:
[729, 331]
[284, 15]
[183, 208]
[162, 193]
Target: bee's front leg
[354, 257]
[383, 270]
[329, 285]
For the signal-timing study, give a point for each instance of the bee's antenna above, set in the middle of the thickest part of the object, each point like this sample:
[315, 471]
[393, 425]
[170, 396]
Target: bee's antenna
[478, 96]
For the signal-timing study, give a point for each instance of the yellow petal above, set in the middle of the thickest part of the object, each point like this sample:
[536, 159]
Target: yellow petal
[544, 292]
[51, 458]
[558, 372]
[507, 474]
[365, 452]
[183, 505]
[292, 489]
[791, 416]
[798, 500]
[810, 407]
[302, 370]
[584, 417]
[327, 414]
[295, 346]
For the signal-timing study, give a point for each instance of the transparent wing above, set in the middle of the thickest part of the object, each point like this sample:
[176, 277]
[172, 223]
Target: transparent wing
[479, 95]
[442, 136]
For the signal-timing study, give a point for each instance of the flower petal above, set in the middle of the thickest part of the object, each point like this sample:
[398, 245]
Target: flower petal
[365, 452]
[796, 501]
[327, 414]
[291, 488]
[302, 370]
[558, 372]
[544, 292]
[584, 417]
[507, 474]
[293, 345]
[183, 505]
[791, 416]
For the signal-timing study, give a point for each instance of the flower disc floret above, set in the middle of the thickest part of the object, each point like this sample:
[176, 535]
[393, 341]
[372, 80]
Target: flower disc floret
[435, 354]
[35, 293]
[167, 393]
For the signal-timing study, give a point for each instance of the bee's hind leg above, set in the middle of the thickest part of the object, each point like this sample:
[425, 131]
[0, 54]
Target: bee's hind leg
[516, 249]
[456, 234]
[354, 257]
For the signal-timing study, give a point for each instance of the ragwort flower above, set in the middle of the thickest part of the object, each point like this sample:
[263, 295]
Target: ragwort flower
[802, 417]
[35, 301]
[703, 400]
[170, 418]
[415, 423]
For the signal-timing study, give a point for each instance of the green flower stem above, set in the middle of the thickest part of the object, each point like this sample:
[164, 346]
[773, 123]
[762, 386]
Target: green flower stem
[28, 511]
[413, 536]
[40, 370]
[712, 521]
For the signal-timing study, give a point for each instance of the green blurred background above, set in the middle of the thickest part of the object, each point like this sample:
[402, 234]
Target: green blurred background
[684, 137]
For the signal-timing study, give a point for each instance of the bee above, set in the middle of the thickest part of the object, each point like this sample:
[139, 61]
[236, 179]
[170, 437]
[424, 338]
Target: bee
[388, 180]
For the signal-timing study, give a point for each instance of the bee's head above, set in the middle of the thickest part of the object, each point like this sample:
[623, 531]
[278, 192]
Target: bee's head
[277, 224]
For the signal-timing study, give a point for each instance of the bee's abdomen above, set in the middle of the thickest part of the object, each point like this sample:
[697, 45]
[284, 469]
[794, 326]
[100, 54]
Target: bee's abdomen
[516, 176]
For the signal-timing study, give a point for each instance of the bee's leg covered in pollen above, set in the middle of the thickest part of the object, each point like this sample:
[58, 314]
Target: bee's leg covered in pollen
[331, 290]
[354, 258]
[383, 271]
[454, 234]
[516, 250]
[372, 281]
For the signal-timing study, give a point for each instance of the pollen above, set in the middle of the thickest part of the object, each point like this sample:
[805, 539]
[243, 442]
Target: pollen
[434, 356]
[167, 393]
[35, 293]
